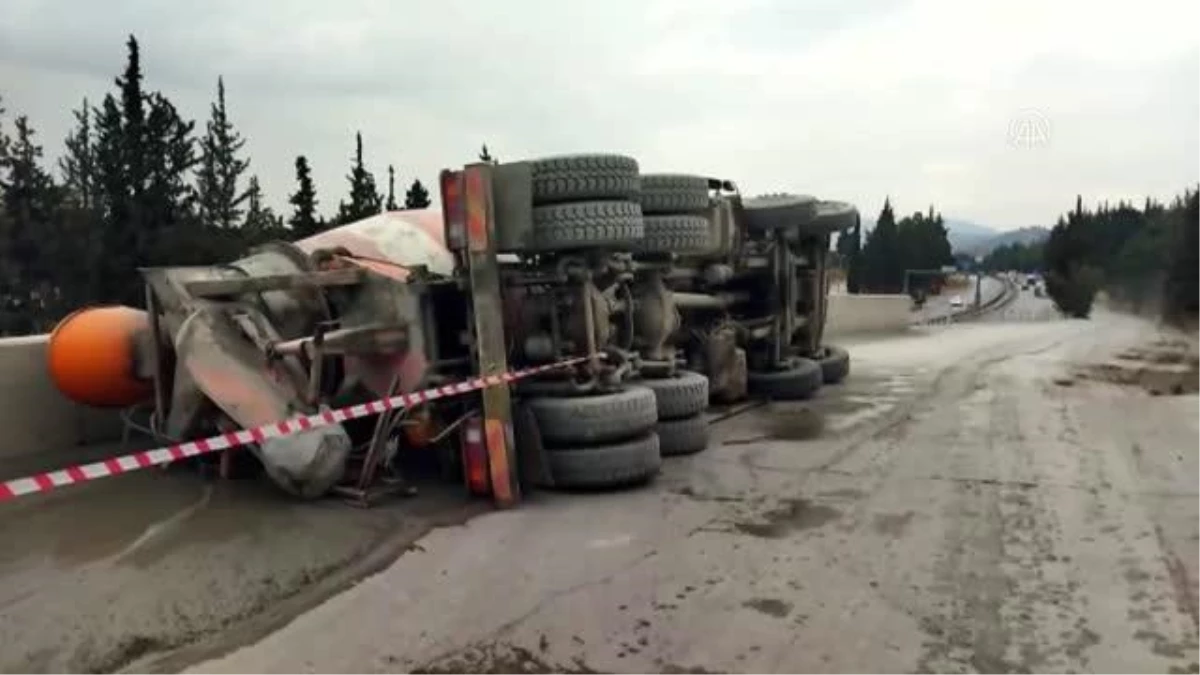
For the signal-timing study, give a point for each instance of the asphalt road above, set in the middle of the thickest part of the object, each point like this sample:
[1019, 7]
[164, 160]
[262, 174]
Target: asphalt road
[968, 501]
[938, 306]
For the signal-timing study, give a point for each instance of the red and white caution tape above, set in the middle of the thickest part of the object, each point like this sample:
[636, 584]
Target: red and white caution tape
[45, 482]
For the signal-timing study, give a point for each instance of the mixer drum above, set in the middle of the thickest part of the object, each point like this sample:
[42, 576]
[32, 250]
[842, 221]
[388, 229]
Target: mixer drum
[92, 356]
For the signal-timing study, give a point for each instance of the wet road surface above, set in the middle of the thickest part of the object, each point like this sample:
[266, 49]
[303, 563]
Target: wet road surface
[966, 502]
[974, 498]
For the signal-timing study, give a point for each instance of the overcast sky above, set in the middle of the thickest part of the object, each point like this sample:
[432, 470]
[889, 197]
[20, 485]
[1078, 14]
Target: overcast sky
[996, 112]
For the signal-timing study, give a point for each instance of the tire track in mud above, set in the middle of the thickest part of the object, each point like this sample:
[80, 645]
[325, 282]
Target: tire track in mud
[1002, 575]
[1141, 578]
[969, 623]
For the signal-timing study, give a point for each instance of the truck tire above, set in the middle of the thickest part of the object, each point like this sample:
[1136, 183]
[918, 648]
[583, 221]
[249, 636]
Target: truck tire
[584, 177]
[831, 217]
[673, 193]
[835, 364]
[581, 225]
[774, 212]
[800, 381]
[570, 421]
[674, 234]
[683, 395]
[685, 436]
[627, 462]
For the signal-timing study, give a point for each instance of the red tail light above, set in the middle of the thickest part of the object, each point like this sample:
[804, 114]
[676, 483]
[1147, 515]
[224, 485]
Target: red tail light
[475, 458]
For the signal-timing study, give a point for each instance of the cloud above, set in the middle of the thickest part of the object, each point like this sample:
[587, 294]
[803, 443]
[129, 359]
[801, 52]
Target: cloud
[852, 100]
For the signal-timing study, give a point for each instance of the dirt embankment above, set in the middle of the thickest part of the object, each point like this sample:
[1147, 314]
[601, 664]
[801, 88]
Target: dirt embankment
[1168, 366]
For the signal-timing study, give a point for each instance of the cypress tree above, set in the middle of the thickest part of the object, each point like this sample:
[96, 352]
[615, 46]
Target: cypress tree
[391, 198]
[303, 222]
[365, 200]
[417, 196]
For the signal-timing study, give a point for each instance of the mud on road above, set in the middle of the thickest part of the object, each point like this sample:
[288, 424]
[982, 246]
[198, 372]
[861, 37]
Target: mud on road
[971, 500]
[98, 576]
[958, 511]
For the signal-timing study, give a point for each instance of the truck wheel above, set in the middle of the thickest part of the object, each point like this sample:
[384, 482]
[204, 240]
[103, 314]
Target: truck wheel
[802, 380]
[594, 419]
[683, 395]
[627, 462]
[584, 177]
[835, 364]
[675, 234]
[581, 225]
[673, 193]
[685, 436]
[773, 212]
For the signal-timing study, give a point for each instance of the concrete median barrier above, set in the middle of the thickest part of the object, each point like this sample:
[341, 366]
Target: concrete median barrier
[34, 416]
[866, 314]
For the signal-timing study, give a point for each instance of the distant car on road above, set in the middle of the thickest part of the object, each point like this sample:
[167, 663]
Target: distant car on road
[956, 301]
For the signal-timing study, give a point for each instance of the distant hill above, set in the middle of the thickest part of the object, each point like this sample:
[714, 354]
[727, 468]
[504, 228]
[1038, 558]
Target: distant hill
[1024, 235]
[969, 237]
[975, 239]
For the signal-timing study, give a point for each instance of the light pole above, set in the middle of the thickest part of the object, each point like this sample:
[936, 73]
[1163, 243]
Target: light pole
[978, 280]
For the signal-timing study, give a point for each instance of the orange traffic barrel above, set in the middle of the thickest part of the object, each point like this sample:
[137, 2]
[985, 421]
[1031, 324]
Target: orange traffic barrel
[91, 356]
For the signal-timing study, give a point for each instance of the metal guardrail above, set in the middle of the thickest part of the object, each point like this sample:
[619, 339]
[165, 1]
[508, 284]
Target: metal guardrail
[1004, 299]
[1000, 301]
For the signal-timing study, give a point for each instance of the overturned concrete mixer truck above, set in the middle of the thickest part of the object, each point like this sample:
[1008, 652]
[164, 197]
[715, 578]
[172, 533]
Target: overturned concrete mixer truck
[645, 296]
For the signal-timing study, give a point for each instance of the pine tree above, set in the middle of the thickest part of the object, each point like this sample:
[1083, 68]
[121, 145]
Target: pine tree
[1180, 291]
[304, 221]
[79, 221]
[365, 200]
[133, 112]
[417, 196]
[261, 224]
[78, 164]
[4, 141]
[175, 234]
[30, 201]
[883, 269]
[221, 168]
[120, 179]
[144, 153]
[391, 198]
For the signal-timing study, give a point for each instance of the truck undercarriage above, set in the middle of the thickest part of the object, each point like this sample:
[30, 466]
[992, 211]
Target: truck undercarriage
[671, 289]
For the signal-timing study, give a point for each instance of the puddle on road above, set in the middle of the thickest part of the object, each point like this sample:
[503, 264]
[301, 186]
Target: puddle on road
[792, 515]
[770, 606]
[834, 410]
[792, 422]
